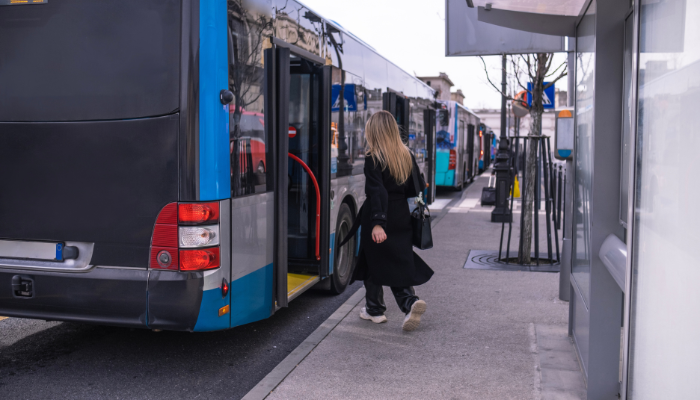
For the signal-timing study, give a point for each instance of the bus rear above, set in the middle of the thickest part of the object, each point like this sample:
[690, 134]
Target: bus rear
[89, 152]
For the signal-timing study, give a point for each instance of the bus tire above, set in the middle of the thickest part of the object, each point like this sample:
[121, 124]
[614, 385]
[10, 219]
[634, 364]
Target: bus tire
[343, 258]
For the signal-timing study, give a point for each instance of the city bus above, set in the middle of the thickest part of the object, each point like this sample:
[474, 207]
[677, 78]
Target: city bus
[488, 147]
[457, 145]
[184, 164]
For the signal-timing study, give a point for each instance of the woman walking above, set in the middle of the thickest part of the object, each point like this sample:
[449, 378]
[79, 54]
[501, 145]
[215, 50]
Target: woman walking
[386, 255]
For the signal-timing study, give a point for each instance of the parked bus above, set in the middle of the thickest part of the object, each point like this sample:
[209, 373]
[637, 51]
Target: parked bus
[488, 147]
[458, 145]
[184, 165]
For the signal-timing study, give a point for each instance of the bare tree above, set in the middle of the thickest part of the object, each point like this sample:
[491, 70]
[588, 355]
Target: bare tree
[537, 68]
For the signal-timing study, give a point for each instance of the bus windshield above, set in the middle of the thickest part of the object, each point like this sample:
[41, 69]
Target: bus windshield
[76, 60]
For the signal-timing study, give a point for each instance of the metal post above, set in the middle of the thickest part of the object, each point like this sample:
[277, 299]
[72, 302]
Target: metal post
[537, 202]
[522, 214]
[501, 213]
[547, 199]
[551, 197]
[512, 196]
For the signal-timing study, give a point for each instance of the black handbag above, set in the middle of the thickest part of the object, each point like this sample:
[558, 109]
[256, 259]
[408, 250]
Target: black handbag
[420, 221]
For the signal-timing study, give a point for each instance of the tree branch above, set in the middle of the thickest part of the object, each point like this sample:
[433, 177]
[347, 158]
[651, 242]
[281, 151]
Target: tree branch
[555, 71]
[492, 84]
[563, 74]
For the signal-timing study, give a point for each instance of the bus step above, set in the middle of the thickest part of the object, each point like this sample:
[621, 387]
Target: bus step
[298, 283]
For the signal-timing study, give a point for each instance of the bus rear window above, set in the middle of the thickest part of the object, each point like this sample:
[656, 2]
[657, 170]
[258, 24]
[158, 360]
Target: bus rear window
[76, 60]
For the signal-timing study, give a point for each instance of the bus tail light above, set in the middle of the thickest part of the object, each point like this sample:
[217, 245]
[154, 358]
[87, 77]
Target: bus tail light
[186, 237]
[453, 160]
[199, 259]
[198, 236]
[198, 213]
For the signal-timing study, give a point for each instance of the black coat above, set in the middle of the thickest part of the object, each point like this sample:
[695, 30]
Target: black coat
[393, 262]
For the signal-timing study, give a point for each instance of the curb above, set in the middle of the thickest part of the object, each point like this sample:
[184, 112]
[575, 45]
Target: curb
[284, 368]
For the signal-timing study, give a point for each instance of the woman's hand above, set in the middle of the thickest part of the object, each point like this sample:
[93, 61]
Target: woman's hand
[378, 234]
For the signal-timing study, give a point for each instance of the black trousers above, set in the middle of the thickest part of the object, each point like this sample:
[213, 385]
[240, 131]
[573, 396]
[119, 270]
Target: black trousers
[405, 297]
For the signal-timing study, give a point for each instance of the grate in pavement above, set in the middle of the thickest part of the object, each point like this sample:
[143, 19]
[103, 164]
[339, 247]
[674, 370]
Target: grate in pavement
[488, 259]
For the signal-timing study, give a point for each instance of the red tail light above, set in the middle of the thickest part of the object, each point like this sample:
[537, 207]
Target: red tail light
[199, 259]
[198, 213]
[164, 239]
[453, 160]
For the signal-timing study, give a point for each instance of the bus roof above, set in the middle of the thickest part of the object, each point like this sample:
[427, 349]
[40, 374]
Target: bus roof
[340, 28]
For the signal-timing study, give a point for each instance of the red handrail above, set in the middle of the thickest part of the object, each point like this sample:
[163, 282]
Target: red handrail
[318, 202]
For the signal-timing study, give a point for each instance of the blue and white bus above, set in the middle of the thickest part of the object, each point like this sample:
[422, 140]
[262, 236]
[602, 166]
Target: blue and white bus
[183, 164]
[457, 145]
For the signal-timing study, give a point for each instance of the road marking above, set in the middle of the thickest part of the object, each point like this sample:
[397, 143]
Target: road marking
[1, 318]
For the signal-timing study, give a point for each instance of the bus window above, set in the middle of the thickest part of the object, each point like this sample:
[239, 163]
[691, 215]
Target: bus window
[248, 141]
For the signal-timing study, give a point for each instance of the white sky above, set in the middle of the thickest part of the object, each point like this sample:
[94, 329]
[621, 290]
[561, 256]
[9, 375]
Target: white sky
[411, 33]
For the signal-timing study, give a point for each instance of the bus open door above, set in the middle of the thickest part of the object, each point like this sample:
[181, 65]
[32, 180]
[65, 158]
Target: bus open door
[301, 102]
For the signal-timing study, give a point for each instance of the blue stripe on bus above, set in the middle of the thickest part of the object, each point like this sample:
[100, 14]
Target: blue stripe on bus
[208, 319]
[251, 297]
[214, 160]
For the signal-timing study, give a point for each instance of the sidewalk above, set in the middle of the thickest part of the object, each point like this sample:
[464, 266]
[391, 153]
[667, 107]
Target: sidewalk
[486, 334]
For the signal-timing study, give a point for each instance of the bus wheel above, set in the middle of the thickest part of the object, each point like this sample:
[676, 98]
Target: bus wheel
[344, 258]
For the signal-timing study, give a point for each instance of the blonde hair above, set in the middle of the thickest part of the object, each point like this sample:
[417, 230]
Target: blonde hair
[385, 146]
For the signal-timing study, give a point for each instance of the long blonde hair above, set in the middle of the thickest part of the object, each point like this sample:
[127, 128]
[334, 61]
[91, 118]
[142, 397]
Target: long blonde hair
[385, 146]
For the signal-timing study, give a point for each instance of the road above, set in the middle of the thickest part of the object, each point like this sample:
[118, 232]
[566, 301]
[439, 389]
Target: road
[40, 360]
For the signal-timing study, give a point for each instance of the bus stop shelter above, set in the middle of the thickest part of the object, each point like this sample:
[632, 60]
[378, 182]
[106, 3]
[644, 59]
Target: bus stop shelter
[634, 74]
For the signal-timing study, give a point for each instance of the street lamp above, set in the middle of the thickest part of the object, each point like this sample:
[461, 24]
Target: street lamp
[502, 167]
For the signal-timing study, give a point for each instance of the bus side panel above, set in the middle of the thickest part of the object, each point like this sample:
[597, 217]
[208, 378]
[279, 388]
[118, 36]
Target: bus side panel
[212, 314]
[443, 176]
[214, 150]
[209, 318]
[252, 240]
[251, 296]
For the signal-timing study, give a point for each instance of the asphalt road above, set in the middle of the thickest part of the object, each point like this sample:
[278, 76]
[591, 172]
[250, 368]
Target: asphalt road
[47, 360]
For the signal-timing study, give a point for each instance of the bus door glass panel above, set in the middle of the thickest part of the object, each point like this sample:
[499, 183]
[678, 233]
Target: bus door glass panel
[470, 149]
[303, 143]
[309, 140]
[429, 122]
[461, 143]
[252, 167]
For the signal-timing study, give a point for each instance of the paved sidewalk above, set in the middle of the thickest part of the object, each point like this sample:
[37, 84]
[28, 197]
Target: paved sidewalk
[486, 334]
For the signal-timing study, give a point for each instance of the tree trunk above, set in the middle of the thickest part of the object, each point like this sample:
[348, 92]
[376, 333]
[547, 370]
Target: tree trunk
[528, 197]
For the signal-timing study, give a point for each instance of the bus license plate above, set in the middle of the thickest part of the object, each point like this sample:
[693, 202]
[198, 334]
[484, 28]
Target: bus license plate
[31, 250]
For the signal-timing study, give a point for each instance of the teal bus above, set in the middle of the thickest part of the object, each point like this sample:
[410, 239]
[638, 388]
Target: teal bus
[457, 145]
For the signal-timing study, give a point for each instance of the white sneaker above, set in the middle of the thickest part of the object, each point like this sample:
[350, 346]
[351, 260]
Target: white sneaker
[412, 320]
[376, 320]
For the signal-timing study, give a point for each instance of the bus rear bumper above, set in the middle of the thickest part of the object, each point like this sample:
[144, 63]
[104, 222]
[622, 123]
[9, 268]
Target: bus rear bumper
[103, 295]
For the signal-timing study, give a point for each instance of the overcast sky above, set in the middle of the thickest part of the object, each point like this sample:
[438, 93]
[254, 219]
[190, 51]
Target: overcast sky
[411, 33]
